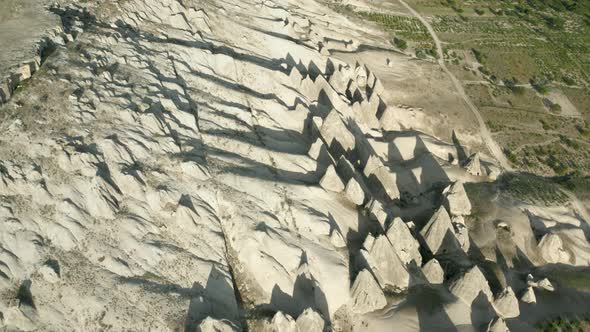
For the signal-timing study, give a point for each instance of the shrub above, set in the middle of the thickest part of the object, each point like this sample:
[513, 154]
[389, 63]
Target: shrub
[568, 80]
[478, 55]
[555, 108]
[554, 22]
[400, 43]
[540, 85]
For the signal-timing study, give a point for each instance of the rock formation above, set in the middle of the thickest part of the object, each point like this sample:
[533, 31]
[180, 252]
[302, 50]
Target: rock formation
[456, 200]
[332, 182]
[439, 234]
[528, 296]
[473, 165]
[366, 295]
[383, 262]
[404, 243]
[310, 321]
[468, 286]
[498, 325]
[552, 250]
[506, 303]
[433, 272]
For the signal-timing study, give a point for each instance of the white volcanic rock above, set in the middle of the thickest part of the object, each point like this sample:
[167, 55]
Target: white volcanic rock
[546, 285]
[387, 267]
[468, 286]
[404, 243]
[462, 235]
[473, 165]
[506, 303]
[332, 182]
[49, 274]
[439, 233]
[216, 325]
[334, 132]
[433, 272]
[337, 239]
[552, 250]
[366, 294]
[354, 192]
[377, 212]
[456, 200]
[316, 148]
[529, 296]
[458, 221]
[281, 322]
[310, 321]
[498, 325]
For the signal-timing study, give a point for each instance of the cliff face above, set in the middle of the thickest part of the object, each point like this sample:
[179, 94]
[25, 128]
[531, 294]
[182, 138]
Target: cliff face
[207, 164]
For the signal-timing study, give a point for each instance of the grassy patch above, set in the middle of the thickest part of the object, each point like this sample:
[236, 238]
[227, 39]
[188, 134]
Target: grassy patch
[532, 189]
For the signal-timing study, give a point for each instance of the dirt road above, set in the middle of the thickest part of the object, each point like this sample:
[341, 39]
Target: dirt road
[485, 133]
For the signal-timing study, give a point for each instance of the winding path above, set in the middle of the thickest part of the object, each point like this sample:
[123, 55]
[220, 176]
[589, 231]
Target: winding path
[485, 133]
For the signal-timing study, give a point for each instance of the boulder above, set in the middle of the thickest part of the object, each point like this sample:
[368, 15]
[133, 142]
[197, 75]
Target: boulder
[281, 323]
[546, 285]
[354, 192]
[366, 294]
[470, 285]
[404, 243]
[497, 325]
[439, 234]
[310, 321]
[529, 296]
[506, 303]
[456, 200]
[552, 250]
[216, 325]
[332, 182]
[388, 268]
[433, 272]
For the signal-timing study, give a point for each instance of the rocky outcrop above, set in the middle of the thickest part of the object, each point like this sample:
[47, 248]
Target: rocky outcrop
[332, 182]
[439, 234]
[552, 250]
[380, 257]
[216, 325]
[506, 303]
[433, 272]
[281, 322]
[354, 192]
[468, 286]
[366, 294]
[404, 243]
[498, 325]
[378, 213]
[310, 321]
[473, 165]
[546, 285]
[456, 200]
[528, 296]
